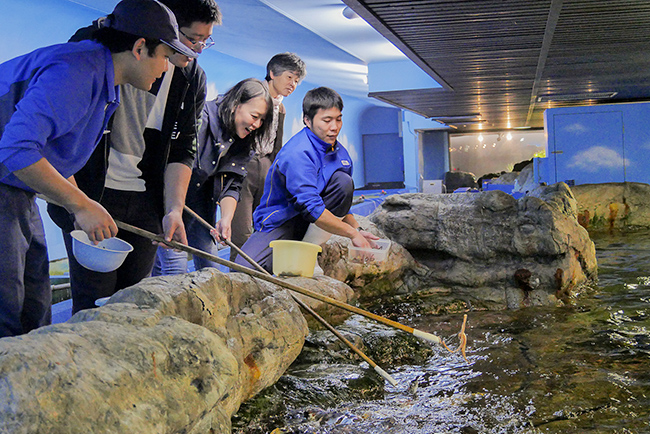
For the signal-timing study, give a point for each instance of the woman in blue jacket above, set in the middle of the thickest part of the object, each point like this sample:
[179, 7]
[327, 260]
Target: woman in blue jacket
[229, 126]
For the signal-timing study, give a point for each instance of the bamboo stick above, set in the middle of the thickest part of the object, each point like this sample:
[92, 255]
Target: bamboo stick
[302, 304]
[233, 266]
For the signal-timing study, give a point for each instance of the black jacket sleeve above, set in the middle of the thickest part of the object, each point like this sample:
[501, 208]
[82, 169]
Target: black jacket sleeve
[183, 144]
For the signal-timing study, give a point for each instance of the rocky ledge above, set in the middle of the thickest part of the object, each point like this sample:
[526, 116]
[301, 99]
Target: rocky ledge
[179, 354]
[613, 206]
[169, 355]
[483, 250]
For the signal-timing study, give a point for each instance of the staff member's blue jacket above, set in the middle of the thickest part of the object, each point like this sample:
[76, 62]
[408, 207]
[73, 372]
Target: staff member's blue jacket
[296, 179]
[55, 103]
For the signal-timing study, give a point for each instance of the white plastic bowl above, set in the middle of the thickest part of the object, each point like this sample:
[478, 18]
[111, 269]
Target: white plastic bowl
[101, 301]
[106, 256]
[368, 256]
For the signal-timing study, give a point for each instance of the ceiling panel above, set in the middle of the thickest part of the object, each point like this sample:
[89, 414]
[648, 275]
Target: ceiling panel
[497, 58]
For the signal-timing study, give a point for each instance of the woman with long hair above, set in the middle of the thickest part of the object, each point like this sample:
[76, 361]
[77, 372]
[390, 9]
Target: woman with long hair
[229, 127]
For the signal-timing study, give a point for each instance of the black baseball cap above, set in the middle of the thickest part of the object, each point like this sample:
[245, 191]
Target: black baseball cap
[149, 19]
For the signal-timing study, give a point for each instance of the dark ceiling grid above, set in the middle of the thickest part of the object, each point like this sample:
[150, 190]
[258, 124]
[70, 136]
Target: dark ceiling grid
[497, 58]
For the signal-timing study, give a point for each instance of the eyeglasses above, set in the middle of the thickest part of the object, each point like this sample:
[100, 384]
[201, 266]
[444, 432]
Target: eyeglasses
[203, 44]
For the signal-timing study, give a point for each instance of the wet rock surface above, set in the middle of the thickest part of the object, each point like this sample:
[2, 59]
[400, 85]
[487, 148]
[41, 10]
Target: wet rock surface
[369, 279]
[327, 372]
[544, 369]
[548, 368]
[181, 355]
[613, 205]
[329, 287]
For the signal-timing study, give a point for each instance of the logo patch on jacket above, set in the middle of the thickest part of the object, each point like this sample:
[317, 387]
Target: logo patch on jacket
[345, 162]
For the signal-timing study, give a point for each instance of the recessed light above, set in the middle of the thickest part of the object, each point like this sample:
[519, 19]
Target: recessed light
[349, 13]
[575, 96]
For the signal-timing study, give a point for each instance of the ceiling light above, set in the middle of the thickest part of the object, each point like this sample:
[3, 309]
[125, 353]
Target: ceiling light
[472, 118]
[575, 96]
[349, 13]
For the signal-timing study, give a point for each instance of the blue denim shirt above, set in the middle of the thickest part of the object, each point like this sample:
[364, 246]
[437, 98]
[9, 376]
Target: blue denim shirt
[297, 177]
[55, 103]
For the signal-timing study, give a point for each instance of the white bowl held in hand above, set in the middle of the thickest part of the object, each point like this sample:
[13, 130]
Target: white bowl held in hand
[106, 256]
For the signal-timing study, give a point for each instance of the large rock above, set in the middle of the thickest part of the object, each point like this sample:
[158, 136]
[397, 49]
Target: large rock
[525, 182]
[613, 205]
[492, 249]
[170, 355]
[329, 287]
[507, 178]
[458, 179]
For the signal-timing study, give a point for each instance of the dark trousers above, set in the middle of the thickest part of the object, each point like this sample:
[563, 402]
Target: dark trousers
[25, 290]
[249, 199]
[169, 262]
[337, 197]
[137, 209]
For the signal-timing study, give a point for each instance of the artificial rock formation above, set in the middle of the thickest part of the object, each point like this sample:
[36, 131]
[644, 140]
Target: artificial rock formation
[613, 205]
[328, 287]
[491, 249]
[177, 354]
[458, 179]
[525, 181]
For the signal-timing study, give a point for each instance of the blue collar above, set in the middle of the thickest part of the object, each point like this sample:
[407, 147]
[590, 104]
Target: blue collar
[326, 147]
[113, 91]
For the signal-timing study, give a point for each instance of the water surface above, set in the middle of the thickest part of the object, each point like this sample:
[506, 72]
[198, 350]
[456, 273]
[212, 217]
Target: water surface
[574, 369]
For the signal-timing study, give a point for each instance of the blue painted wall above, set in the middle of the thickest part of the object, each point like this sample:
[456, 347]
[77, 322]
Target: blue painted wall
[382, 150]
[595, 144]
[30, 24]
[380, 120]
[435, 154]
[411, 123]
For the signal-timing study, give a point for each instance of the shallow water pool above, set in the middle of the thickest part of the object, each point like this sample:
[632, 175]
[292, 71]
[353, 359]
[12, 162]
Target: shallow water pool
[576, 369]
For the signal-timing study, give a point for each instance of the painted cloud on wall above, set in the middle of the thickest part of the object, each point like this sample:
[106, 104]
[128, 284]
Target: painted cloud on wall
[597, 158]
[211, 91]
[575, 128]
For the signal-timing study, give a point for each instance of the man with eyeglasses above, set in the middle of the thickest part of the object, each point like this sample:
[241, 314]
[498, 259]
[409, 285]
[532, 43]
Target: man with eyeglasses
[197, 44]
[141, 170]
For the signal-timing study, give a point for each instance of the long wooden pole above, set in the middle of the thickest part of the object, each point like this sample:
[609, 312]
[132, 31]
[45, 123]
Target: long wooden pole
[176, 245]
[301, 303]
[304, 291]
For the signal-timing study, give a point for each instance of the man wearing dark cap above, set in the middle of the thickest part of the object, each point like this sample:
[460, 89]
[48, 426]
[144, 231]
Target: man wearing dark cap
[140, 171]
[55, 103]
